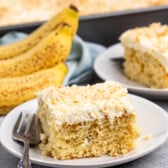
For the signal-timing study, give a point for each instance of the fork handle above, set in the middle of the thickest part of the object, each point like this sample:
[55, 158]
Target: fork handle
[25, 161]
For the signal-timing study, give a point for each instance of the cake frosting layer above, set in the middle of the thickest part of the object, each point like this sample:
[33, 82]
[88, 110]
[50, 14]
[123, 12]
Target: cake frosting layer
[77, 104]
[152, 40]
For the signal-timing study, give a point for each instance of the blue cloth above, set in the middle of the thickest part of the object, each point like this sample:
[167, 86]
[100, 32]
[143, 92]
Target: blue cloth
[80, 61]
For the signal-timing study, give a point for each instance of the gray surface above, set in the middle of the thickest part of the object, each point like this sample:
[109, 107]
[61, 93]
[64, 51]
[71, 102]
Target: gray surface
[157, 159]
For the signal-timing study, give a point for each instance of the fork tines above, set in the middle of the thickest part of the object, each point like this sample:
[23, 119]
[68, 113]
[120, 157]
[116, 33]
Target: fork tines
[27, 127]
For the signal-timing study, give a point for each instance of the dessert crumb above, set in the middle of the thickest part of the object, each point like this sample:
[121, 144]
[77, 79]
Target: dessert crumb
[147, 137]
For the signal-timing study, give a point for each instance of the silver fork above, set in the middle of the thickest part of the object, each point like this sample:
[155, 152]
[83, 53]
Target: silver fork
[27, 131]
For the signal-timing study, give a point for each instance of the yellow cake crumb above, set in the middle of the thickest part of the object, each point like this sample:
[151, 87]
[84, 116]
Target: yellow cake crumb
[147, 137]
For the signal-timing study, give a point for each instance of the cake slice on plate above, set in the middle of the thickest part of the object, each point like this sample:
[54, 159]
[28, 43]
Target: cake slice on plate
[86, 121]
[146, 55]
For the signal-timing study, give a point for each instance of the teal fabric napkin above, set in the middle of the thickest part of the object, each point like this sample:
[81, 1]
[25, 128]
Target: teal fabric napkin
[80, 61]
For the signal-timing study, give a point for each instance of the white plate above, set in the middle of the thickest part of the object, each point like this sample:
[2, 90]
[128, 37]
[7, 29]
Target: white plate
[1, 119]
[148, 114]
[108, 69]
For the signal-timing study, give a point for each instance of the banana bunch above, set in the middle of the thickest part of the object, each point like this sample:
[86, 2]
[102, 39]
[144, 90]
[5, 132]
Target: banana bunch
[37, 61]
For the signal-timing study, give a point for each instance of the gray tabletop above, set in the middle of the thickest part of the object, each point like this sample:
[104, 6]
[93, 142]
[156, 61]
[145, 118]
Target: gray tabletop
[157, 159]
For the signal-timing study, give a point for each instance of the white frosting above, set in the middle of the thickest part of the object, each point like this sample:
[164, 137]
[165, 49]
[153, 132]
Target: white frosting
[79, 104]
[152, 39]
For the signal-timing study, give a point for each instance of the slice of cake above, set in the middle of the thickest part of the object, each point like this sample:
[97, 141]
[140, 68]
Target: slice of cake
[146, 55]
[86, 121]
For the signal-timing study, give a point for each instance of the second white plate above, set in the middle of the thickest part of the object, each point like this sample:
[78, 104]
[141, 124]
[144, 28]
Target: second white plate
[148, 114]
[107, 68]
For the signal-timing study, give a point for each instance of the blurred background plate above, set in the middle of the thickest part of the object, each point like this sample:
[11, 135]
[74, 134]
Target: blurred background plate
[108, 68]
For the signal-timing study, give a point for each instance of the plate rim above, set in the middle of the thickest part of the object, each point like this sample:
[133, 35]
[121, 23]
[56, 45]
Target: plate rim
[104, 163]
[130, 87]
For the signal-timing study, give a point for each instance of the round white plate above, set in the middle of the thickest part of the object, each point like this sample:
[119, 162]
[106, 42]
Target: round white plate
[107, 68]
[148, 114]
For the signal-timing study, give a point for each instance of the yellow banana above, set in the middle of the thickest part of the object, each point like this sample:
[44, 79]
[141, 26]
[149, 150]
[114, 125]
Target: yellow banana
[14, 91]
[5, 110]
[51, 50]
[69, 15]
